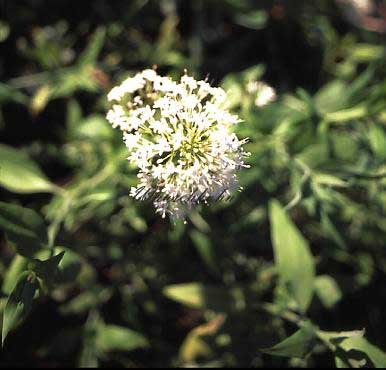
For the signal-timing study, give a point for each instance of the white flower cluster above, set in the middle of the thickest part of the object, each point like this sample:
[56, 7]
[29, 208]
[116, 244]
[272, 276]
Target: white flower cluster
[264, 93]
[179, 136]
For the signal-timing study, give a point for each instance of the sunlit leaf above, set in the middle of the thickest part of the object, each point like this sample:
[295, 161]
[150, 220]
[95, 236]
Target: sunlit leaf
[294, 261]
[255, 19]
[19, 303]
[347, 114]
[331, 98]
[17, 266]
[327, 290]
[40, 99]
[360, 349]
[297, 345]
[117, 338]
[18, 173]
[196, 295]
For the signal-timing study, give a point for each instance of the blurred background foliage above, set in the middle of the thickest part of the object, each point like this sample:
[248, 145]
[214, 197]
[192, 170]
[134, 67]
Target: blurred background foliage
[289, 273]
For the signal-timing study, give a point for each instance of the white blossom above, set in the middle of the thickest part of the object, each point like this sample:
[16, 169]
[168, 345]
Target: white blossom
[264, 94]
[179, 135]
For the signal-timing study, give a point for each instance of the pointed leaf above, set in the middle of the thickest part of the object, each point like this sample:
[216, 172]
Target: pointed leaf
[18, 173]
[327, 291]
[294, 261]
[19, 303]
[24, 227]
[17, 266]
[117, 338]
[196, 295]
[89, 357]
[48, 269]
[359, 344]
[90, 55]
[297, 345]
[205, 248]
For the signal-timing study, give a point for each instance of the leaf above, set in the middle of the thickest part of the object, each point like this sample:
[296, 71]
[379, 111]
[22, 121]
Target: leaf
[194, 345]
[205, 249]
[331, 98]
[377, 138]
[74, 115]
[329, 180]
[9, 94]
[93, 127]
[90, 54]
[18, 173]
[117, 338]
[19, 303]
[331, 338]
[256, 19]
[330, 230]
[40, 99]
[24, 227]
[196, 295]
[89, 357]
[294, 261]
[93, 297]
[327, 290]
[48, 269]
[345, 115]
[297, 345]
[364, 53]
[362, 345]
[17, 266]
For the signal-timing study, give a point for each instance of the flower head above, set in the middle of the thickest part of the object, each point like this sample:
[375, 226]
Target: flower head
[179, 135]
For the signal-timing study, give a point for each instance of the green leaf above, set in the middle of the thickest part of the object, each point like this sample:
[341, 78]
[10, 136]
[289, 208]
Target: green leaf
[9, 94]
[377, 138]
[332, 338]
[85, 301]
[117, 338]
[24, 228]
[365, 53]
[327, 290]
[48, 269]
[93, 127]
[256, 19]
[331, 98]
[18, 173]
[355, 346]
[329, 180]
[294, 261]
[72, 266]
[345, 115]
[205, 249]
[17, 266]
[89, 356]
[297, 345]
[330, 230]
[90, 55]
[196, 295]
[19, 303]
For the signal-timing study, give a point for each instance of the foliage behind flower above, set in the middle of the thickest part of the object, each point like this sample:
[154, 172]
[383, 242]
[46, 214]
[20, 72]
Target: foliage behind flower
[179, 135]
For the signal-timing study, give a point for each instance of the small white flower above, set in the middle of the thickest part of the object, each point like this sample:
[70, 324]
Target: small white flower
[179, 136]
[264, 93]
